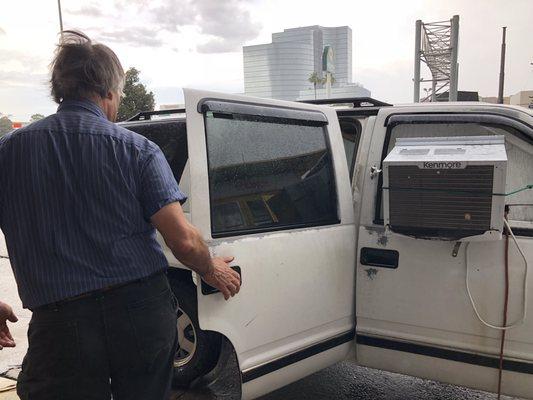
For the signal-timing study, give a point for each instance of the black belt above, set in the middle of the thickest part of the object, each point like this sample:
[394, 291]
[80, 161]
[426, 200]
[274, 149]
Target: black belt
[96, 292]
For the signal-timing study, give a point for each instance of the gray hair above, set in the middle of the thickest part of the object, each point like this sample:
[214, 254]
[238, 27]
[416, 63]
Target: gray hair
[83, 69]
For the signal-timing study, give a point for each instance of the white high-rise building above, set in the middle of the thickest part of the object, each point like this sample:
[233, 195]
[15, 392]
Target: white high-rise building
[281, 69]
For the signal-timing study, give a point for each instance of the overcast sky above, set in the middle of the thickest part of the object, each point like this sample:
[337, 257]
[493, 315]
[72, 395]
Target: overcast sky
[197, 43]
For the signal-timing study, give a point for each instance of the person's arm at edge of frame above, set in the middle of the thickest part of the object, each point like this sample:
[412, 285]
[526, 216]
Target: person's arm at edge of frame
[6, 314]
[189, 248]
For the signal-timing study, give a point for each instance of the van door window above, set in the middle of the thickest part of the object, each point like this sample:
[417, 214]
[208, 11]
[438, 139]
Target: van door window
[268, 174]
[351, 132]
[519, 155]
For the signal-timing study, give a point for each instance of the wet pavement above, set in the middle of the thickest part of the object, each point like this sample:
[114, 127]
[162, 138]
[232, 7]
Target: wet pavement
[347, 381]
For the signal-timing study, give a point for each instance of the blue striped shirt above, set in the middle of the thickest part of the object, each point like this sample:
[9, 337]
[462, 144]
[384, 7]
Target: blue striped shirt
[77, 194]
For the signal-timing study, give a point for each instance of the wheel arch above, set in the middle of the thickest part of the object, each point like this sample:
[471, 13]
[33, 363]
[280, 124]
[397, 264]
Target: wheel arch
[227, 370]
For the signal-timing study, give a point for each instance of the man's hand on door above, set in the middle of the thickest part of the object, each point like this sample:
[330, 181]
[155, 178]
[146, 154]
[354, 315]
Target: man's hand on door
[222, 277]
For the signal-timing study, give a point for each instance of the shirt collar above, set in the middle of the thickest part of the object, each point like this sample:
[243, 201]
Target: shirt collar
[79, 105]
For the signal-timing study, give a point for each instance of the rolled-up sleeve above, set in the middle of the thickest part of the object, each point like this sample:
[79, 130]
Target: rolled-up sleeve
[158, 185]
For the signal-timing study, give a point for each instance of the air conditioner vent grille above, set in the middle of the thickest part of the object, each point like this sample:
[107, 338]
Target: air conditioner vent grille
[441, 202]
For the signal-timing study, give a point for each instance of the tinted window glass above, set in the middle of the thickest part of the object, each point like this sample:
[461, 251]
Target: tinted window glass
[171, 137]
[519, 156]
[351, 132]
[268, 175]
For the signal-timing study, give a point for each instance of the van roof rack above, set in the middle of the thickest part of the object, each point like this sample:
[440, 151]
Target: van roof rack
[357, 102]
[147, 115]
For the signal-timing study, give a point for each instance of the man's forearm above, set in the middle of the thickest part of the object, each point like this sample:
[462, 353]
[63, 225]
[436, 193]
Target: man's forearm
[195, 254]
[188, 246]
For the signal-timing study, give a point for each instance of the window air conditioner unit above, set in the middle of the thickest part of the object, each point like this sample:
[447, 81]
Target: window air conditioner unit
[448, 188]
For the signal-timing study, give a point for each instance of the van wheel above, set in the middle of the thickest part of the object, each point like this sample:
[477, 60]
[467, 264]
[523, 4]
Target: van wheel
[198, 350]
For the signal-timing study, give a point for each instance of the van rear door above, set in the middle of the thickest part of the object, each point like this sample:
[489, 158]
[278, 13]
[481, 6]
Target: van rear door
[270, 186]
[414, 314]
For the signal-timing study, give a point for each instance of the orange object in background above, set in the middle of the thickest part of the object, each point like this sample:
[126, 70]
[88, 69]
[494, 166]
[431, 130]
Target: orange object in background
[17, 125]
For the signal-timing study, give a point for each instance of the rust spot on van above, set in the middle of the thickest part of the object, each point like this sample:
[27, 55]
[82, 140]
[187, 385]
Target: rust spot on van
[371, 273]
[383, 240]
[374, 229]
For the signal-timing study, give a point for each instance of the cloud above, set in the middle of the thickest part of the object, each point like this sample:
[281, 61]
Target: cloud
[174, 14]
[121, 5]
[15, 79]
[21, 61]
[134, 36]
[230, 24]
[87, 11]
[2, 32]
[218, 45]
[226, 25]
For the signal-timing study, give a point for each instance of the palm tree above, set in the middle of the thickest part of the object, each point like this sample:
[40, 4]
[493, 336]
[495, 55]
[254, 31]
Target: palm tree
[315, 80]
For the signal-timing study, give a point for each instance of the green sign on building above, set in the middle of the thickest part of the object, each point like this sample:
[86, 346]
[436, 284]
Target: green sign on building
[327, 60]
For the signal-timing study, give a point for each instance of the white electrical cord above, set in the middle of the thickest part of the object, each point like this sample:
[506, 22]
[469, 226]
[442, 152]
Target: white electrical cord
[521, 320]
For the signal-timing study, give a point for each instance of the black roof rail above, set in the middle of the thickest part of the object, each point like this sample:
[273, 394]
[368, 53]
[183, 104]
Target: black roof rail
[147, 115]
[358, 102]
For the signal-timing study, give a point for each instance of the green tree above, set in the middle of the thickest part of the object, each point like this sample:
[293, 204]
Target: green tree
[136, 97]
[6, 125]
[36, 117]
[315, 80]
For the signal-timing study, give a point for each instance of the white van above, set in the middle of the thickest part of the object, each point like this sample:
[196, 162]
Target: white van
[294, 192]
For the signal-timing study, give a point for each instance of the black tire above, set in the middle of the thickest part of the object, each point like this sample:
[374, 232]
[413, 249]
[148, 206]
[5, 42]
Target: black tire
[189, 366]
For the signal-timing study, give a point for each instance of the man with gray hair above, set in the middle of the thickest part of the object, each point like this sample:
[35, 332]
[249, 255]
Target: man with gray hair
[80, 203]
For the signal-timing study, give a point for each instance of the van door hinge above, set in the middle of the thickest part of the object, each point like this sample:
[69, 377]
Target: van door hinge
[374, 171]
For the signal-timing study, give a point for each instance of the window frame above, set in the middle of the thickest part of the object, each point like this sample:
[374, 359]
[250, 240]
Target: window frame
[286, 116]
[395, 119]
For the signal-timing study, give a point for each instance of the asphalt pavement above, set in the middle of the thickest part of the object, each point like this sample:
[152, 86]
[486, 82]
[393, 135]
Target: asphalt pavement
[347, 381]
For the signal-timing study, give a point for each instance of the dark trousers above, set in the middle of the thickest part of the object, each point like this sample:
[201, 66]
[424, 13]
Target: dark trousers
[119, 342]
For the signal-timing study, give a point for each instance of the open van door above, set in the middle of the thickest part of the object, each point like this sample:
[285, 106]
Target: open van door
[270, 186]
[414, 314]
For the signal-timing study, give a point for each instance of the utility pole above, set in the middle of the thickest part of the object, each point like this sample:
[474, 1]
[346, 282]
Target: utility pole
[416, 78]
[60, 18]
[454, 66]
[502, 68]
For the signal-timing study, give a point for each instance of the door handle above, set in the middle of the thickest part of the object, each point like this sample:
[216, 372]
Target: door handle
[208, 289]
[379, 257]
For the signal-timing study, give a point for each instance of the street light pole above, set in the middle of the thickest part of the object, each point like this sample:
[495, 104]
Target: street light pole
[60, 18]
